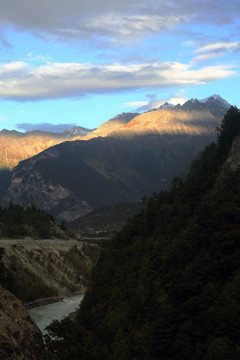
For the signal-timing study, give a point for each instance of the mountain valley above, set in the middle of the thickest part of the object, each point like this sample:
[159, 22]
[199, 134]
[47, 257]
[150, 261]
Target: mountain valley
[167, 285]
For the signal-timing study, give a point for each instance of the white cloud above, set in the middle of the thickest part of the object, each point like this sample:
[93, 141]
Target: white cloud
[133, 25]
[134, 104]
[213, 50]
[203, 57]
[40, 58]
[156, 103]
[112, 19]
[21, 82]
[218, 47]
[11, 68]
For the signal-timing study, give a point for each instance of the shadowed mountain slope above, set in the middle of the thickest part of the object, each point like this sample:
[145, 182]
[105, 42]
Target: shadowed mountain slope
[167, 287]
[71, 179]
[140, 157]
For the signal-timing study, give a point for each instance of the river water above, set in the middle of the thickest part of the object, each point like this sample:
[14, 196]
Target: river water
[44, 315]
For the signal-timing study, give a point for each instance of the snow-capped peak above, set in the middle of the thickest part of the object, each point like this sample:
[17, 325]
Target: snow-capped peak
[215, 97]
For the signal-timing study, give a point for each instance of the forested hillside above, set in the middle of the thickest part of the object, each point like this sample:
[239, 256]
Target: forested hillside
[39, 259]
[168, 286]
[15, 222]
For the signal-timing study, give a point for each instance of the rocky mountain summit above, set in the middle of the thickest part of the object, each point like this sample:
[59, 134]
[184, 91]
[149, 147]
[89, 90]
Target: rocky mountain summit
[76, 131]
[216, 105]
[169, 122]
[193, 117]
[111, 125]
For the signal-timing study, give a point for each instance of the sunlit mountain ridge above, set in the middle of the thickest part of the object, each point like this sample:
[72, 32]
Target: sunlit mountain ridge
[194, 117]
[140, 156]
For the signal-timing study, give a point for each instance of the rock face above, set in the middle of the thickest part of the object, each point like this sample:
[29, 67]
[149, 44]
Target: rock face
[20, 339]
[34, 269]
[234, 157]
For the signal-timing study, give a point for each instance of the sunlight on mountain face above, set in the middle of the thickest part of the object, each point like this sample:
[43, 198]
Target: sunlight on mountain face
[192, 118]
[169, 122]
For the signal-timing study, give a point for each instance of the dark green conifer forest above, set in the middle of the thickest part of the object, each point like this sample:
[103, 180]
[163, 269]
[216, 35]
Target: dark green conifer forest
[168, 286]
[17, 222]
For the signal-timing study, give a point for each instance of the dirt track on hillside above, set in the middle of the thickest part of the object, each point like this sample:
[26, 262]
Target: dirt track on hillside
[30, 243]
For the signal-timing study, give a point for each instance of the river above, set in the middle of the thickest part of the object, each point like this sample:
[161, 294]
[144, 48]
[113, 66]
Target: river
[44, 315]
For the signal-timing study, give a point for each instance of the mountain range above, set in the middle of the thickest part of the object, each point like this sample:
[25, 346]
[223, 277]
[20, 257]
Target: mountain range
[126, 158]
[17, 146]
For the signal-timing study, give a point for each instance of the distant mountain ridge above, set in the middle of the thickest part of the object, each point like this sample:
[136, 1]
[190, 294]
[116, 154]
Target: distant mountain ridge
[168, 122]
[17, 146]
[72, 132]
[215, 104]
[193, 117]
[112, 125]
[140, 156]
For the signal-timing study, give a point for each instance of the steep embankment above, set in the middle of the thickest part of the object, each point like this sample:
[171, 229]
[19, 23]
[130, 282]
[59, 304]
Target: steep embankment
[19, 336]
[33, 269]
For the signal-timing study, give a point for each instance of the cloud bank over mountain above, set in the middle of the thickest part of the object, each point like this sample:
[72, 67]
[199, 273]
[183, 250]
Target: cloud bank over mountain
[21, 82]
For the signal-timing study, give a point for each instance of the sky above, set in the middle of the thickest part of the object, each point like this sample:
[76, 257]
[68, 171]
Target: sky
[81, 62]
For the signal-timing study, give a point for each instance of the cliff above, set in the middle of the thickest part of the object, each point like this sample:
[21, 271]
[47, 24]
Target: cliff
[20, 339]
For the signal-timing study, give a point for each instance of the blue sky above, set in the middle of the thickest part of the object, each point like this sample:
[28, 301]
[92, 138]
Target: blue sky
[78, 62]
